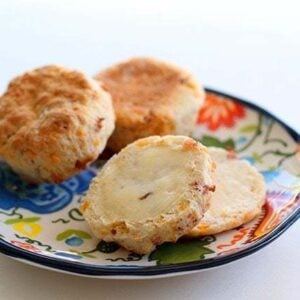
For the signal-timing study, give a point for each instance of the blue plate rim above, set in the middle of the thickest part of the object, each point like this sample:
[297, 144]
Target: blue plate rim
[145, 271]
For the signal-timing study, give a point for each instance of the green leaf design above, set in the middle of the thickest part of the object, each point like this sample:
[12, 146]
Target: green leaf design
[248, 128]
[67, 233]
[257, 157]
[180, 252]
[82, 234]
[18, 220]
[209, 141]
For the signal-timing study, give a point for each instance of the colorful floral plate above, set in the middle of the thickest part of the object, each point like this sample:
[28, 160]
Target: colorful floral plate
[42, 225]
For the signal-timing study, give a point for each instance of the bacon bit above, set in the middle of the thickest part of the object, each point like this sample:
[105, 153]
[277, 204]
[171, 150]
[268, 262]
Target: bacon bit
[204, 189]
[190, 144]
[113, 231]
[231, 154]
[209, 188]
[196, 186]
[98, 125]
[146, 196]
[81, 165]
[195, 221]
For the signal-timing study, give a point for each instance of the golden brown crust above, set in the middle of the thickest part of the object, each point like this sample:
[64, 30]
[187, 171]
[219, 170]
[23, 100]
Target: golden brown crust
[49, 123]
[141, 79]
[150, 97]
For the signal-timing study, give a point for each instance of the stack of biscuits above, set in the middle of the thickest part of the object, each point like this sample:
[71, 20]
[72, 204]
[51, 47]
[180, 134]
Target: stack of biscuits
[160, 184]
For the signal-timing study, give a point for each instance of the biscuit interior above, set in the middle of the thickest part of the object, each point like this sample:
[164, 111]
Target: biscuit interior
[157, 189]
[239, 196]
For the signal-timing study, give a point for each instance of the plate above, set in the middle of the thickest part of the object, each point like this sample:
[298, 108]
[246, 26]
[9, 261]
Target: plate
[41, 224]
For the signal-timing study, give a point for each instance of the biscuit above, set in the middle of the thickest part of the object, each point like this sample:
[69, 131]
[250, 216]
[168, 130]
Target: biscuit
[150, 97]
[239, 196]
[155, 190]
[54, 121]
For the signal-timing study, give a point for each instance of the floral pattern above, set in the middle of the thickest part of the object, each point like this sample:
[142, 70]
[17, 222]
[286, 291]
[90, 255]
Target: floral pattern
[182, 251]
[73, 237]
[218, 111]
[44, 198]
[29, 229]
[26, 246]
[45, 218]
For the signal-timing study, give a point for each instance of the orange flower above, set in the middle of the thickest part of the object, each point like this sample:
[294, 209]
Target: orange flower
[25, 246]
[218, 111]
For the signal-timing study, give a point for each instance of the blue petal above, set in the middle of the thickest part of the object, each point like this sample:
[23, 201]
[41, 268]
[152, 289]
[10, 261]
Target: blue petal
[241, 140]
[74, 241]
[42, 199]
[270, 175]
[250, 159]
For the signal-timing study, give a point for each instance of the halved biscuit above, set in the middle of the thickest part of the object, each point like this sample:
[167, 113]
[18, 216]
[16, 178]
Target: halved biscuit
[155, 190]
[54, 121]
[150, 97]
[239, 196]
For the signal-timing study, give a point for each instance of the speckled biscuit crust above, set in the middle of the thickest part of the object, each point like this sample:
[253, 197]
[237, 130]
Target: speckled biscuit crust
[150, 97]
[54, 121]
[155, 190]
[239, 196]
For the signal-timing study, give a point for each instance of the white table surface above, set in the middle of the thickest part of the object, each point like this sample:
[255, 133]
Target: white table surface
[248, 48]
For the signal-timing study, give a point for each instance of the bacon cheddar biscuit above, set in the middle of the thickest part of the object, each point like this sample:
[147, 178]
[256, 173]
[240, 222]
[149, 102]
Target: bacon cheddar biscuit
[150, 97]
[239, 196]
[155, 190]
[54, 121]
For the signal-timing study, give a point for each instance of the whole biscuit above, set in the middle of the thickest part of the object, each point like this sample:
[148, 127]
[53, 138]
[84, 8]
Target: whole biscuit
[150, 97]
[239, 196]
[54, 121]
[155, 190]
